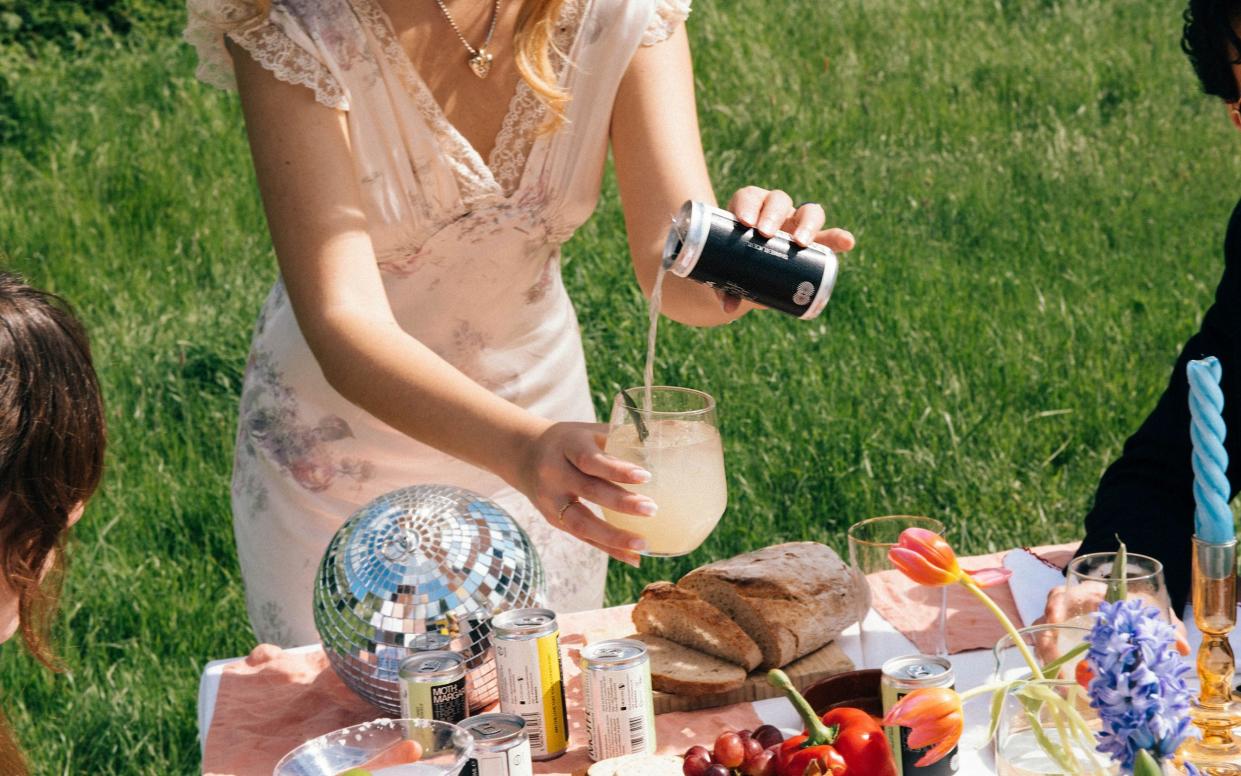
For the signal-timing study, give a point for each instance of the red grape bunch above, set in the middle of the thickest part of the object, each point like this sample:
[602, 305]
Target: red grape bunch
[743, 752]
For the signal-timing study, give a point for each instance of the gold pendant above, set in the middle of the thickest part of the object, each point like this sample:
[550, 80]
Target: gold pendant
[480, 63]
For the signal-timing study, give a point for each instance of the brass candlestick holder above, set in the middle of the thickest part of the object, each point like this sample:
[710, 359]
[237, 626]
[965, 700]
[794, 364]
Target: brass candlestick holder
[1217, 752]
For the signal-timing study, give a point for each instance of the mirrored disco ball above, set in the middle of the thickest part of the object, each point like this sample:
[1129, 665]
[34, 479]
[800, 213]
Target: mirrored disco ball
[415, 566]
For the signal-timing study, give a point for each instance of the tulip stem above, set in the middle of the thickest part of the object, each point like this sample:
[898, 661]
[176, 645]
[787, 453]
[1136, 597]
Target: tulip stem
[1007, 624]
[983, 690]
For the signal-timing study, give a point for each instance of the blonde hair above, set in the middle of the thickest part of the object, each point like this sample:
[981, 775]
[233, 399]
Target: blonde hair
[534, 50]
[534, 44]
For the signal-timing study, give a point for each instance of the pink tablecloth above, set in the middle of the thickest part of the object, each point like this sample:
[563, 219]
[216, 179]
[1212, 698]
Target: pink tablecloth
[913, 610]
[272, 701]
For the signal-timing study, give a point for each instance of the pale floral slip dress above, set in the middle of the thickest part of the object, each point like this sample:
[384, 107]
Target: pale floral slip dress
[470, 256]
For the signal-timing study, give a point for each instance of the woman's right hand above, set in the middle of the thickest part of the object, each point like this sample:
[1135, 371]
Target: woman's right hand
[564, 465]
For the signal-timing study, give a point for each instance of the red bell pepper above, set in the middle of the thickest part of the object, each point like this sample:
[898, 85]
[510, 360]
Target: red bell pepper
[798, 757]
[844, 742]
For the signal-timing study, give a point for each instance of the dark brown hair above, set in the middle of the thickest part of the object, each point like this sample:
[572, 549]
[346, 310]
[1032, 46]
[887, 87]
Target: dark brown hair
[1210, 41]
[51, 457]
[51, 447]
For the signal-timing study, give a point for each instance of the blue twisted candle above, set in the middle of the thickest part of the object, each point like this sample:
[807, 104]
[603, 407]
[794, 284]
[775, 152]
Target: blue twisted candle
[1212, 516]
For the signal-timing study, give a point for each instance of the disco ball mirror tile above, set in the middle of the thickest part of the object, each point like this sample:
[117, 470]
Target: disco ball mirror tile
[419, 568]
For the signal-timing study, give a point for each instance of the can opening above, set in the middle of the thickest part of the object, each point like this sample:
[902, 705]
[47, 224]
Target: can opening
[674, 242]
[685, 238]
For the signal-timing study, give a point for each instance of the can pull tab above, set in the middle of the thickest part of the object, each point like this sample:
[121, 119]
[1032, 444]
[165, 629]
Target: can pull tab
[488, 730]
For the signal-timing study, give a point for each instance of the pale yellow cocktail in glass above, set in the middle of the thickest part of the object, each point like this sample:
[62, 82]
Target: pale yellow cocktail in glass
[672, 433]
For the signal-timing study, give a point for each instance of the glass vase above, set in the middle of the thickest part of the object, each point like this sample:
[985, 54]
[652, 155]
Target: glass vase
[1033, 737]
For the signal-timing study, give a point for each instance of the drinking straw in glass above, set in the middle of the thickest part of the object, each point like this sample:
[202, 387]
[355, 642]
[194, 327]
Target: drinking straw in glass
[672, 433]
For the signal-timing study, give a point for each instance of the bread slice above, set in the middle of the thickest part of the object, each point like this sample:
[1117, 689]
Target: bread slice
[683, 671]
[676, 614]
[790, 598]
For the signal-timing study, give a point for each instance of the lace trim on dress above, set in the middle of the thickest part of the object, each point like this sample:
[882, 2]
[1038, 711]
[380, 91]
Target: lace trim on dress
[475, 179]
[210, 20]
[516, 137]
[527, 112]
[669, 14]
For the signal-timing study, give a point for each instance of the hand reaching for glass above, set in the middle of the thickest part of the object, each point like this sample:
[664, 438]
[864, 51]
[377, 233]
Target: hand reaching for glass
[566, 464]
[1066, 605]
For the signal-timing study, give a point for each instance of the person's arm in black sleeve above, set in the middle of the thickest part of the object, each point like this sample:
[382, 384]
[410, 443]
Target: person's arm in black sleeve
[1146, 497]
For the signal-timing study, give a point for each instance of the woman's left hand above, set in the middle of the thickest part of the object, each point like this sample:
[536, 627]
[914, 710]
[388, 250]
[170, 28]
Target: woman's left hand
[768, 212]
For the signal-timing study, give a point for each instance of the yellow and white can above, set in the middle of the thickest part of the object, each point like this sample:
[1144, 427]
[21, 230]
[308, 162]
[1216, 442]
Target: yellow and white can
[530, 676]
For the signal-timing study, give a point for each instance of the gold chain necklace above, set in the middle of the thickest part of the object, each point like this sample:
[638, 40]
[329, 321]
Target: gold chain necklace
[480, 58]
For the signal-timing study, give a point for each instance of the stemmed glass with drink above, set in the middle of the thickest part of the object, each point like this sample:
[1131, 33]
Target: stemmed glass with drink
[672, 433]
[869, 543]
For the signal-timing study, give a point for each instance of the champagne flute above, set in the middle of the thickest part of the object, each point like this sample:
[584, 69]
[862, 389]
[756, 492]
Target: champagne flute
[670, 432]
[869, 543]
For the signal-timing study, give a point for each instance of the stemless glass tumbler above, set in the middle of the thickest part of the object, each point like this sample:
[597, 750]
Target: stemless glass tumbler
[1087, 578]
[672, 433]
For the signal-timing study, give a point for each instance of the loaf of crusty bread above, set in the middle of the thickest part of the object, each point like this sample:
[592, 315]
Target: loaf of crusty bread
[684, 671]
[790, 598]
[676, 614]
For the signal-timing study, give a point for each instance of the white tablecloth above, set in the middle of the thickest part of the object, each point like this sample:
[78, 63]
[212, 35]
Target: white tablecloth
[1030, 584]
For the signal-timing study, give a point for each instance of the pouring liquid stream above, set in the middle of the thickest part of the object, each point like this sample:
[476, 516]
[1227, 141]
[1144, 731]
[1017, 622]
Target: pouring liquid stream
[648, 374]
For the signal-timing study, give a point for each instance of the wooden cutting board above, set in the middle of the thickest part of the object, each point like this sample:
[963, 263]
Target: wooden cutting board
[617, 623]
[828, 661]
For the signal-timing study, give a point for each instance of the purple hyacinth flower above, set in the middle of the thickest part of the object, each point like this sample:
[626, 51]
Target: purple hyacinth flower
[1139, 684]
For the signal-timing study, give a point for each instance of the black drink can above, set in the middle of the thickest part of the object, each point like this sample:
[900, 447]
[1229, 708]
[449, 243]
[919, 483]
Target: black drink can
[710, 246]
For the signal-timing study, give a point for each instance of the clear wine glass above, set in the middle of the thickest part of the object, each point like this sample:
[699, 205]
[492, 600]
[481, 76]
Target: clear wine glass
[672, 433]
[869, 542]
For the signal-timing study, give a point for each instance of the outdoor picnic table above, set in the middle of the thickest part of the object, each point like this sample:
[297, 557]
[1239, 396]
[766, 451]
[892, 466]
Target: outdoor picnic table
[260, 727]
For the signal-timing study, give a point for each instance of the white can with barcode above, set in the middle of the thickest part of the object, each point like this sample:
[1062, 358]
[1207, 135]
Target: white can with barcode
[528, 671]
[616, 691]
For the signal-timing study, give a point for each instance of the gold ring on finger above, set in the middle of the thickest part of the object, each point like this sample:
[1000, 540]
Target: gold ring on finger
[565, 508]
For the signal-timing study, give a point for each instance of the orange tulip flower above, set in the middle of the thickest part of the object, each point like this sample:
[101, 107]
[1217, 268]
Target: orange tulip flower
[935, 718]
[927, 559]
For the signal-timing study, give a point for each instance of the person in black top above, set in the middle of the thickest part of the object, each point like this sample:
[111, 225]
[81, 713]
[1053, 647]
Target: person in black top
[1146, 496]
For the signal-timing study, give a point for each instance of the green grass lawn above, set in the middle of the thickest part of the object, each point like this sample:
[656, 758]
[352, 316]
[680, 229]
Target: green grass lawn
[1039, 195]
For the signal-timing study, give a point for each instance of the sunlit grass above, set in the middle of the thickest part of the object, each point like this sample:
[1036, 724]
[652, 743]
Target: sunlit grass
[1039, 195]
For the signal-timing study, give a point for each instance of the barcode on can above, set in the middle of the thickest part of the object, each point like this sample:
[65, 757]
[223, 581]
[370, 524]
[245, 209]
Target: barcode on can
[534, 729]
[637, 734]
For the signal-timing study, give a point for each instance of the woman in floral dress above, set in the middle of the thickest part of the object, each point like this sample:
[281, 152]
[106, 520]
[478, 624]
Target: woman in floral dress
[421, 163]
